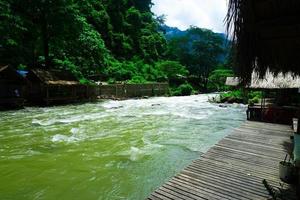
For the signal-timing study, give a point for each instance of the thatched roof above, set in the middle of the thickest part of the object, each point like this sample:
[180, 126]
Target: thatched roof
[281, 81]
[270, 81]
[55, 77]
[232, 81]
[266, 34]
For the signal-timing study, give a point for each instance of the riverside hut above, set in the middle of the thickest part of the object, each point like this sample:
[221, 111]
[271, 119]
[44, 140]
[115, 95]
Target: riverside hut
[11, 88]
[266, 35]
[48, 87]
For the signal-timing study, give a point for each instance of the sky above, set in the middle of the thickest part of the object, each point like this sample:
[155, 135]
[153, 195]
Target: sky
[182, 14]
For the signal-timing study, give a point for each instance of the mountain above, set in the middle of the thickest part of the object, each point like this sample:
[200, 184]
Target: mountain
[188, 37]
[171, 32]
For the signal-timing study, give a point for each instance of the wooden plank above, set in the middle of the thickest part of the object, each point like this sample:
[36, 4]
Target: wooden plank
[200, 189]
[215, 187]
[151, 197]
[203, 193]
[244, 168]
[224, 183]
[235, 167]
[252, 188]
[183, 193]
[252, 143]
[174, 194]
[241, 178]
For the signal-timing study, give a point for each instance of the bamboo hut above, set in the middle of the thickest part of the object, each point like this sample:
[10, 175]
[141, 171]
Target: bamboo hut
[54, 87]
[11, 88]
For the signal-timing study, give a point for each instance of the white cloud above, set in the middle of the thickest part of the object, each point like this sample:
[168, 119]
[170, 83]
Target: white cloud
[208, 14]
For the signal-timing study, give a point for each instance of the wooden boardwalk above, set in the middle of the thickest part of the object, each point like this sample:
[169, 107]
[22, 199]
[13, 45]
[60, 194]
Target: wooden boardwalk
[235, 167]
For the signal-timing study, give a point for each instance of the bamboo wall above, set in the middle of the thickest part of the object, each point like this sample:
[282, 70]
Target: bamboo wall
[131, 90]
[61, 94]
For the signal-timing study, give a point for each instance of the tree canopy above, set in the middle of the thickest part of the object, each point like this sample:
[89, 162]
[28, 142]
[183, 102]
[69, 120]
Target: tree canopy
[120, 40]
[84, 36]
[201, 50]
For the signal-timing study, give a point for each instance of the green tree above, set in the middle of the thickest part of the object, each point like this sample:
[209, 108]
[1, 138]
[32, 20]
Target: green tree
[172, 69]
[200, 50]
[118, 38]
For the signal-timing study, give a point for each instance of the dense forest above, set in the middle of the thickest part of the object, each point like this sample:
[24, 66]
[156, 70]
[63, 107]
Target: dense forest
[110, 40]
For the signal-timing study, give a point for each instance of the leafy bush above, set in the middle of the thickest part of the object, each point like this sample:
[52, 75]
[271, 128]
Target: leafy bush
[238, 96]
[254, 97]
[217, 79]
[66, 64]
[111, 81]
[183, 90]
[171, 69]
[22, 67]
[86, 81]
[137, 79]
[254, 94]
[235, 96]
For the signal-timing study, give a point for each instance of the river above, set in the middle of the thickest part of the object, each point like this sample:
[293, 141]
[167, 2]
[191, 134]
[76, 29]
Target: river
[109, 149]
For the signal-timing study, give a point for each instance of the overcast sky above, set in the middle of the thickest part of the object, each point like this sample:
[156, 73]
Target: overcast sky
[208, 14]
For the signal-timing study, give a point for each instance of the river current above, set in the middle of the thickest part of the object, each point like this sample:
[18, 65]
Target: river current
[109, 149]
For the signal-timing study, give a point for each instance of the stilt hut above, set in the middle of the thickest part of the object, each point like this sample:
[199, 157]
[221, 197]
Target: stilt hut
[11, 88]
[48, 87]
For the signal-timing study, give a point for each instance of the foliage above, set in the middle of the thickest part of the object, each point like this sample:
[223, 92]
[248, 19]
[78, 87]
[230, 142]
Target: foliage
[171, 69]
[240, 96]
[235, 96]
[200, 50]
[22, 67]
[217, 79]
[254, 97]
[120, 40]
[85, 37]
[137, 79]
[183, 90]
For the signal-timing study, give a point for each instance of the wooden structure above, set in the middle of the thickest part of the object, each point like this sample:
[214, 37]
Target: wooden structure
[122, 91]
[280, 102]
[11, 88]
[235, 167]
[277, 106]
[55, 87]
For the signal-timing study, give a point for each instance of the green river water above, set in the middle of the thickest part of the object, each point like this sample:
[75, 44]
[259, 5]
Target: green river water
[106, 150]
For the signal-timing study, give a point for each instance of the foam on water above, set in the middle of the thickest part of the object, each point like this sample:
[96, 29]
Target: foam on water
[63, 138]
[76, 135]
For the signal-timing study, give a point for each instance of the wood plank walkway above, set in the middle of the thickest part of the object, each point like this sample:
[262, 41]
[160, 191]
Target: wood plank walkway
[235, 167]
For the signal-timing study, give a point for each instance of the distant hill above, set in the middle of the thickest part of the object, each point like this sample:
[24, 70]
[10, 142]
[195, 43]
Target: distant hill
[173, 32]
